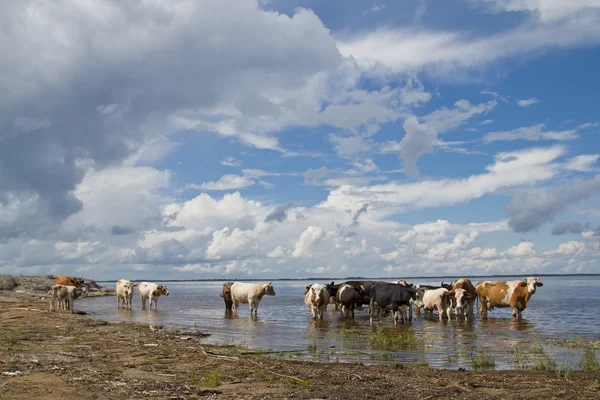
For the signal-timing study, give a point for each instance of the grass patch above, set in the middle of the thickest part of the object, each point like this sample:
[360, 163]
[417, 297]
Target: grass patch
[588, 361]
[302, 382]
[482, 360]
[383, 339]
[520, 359]
[212, 379]
[12, 337]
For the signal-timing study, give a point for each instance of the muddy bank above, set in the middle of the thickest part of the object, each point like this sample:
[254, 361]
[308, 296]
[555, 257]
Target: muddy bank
[70, 356]
[39, 285]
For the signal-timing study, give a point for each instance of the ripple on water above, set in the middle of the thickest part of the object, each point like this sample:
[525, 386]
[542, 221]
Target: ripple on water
[284, 327]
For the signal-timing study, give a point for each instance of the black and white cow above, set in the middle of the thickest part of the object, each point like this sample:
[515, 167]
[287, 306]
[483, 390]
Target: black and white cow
[384, 294]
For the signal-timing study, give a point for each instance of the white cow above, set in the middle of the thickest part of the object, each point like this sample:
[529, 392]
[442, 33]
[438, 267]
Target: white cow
[125, 289]
[316, 298]
[151, 291]
[66, 296]
[250, 293]
[436, 298]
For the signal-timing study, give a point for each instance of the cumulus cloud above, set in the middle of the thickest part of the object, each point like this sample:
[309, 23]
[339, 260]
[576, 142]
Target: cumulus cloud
[279, 214]
[528, 102]
[421, 138]
[560, 228]
[307, 240]
[530, 211]
[531, 133]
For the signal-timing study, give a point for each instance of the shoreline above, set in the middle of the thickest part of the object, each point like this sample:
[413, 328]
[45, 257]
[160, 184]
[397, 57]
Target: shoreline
[69, 356]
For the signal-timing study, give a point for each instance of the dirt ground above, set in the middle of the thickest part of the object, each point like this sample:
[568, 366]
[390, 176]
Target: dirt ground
[69, 356]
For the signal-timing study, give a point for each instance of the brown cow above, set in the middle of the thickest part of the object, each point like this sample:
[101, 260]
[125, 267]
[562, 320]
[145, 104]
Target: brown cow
[226, 295]
[464, 296]
[66, 295]
[513, 294]
[68, 281]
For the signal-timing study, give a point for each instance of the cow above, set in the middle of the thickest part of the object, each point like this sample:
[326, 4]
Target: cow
[125, 290]
[316, 298]
[68, 281]
[439, 298]
[332, 289]
[250, 293]
[415, 302]
[464, 295]
[66, 295]
[397, 296]
[151, 291]
[364, 288]
[226, 295]
[513, 294]
[348, 296]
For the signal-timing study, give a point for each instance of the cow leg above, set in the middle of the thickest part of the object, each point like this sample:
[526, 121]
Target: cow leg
[449, 311]
[143, 302]
[410, 312]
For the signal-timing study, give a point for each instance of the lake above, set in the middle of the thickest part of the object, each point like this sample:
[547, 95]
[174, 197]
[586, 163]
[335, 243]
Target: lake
[560, 326]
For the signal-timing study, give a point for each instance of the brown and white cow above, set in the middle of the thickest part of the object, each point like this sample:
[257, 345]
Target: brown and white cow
[513, 294]
[250, 293]
[125, 290]
[151, 291]
[226, 295]
[68, 281]
[439, 299]
[65, 295]
[464, 296]
[316, 298]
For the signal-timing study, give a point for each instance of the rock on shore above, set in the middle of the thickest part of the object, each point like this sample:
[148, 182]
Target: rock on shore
[41, 284]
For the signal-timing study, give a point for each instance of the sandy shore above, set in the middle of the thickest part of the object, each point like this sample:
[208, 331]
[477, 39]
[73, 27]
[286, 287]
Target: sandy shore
[66, 356]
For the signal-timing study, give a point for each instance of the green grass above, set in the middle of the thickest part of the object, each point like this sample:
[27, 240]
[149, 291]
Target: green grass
[383, 339]
[302, 382]
[482, 360]
[12, 337]
[588, 361]
[521, 358]
[212, 379]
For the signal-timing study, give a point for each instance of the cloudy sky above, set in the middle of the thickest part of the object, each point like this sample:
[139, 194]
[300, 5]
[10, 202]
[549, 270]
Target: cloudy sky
[240, 138]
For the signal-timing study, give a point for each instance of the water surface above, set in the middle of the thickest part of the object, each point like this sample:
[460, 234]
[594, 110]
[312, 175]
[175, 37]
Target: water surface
[564, 308]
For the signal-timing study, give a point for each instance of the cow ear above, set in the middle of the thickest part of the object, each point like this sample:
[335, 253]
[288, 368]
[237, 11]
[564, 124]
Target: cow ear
[134, 284]
[270, 283]
[452, 293]
[539, 284]
[523, 284]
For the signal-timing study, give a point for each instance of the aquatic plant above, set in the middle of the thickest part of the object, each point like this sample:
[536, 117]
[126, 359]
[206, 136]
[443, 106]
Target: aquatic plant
[383, 339]
[482, 360]
[588, 361]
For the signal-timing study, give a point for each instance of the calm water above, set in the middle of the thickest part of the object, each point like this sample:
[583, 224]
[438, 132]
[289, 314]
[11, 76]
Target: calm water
[564, 308]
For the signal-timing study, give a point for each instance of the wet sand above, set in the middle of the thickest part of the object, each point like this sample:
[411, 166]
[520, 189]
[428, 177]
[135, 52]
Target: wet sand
[66, 356]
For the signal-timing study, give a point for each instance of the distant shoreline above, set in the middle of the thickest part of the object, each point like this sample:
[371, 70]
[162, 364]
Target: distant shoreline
[354, 278]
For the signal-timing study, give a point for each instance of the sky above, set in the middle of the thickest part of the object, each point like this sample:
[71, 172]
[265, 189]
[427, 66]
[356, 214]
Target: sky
[192, 139]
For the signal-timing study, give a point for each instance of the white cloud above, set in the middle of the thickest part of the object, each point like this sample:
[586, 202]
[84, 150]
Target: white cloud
[582, 163]
[307, 240]
[523, 249]
[544, 10]
[452, 53]
[487, 122]
[226, 182]
[230, 162]
[510, 169]
[531, 133]
[528, 102]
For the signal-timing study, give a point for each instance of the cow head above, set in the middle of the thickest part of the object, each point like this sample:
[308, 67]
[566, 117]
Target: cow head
[161, 290]
[307, 289]
[531, 284]
[463, 298]
[404, 283]
[269, 289]
[332, 288]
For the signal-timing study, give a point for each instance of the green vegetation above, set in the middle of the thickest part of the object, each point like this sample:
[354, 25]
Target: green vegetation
[383, 339]
[8, 282]
[482, 360]
[12, 337]
[588, 361]
[212, 379]
[302, 382]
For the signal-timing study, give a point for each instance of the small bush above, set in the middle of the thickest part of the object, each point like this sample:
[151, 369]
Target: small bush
[8, 282]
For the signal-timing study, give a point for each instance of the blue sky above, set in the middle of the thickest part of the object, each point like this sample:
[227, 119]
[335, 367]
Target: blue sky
[186, 139]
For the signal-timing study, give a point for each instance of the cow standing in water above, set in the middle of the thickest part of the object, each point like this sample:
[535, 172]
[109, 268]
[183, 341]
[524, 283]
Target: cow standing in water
[151, 291]
[513, 294]
[226, 295]
[464, 295]
[316, 298]
[250, 293]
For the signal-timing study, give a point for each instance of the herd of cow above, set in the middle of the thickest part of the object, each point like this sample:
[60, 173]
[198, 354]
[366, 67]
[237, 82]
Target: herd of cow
[399, 297]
